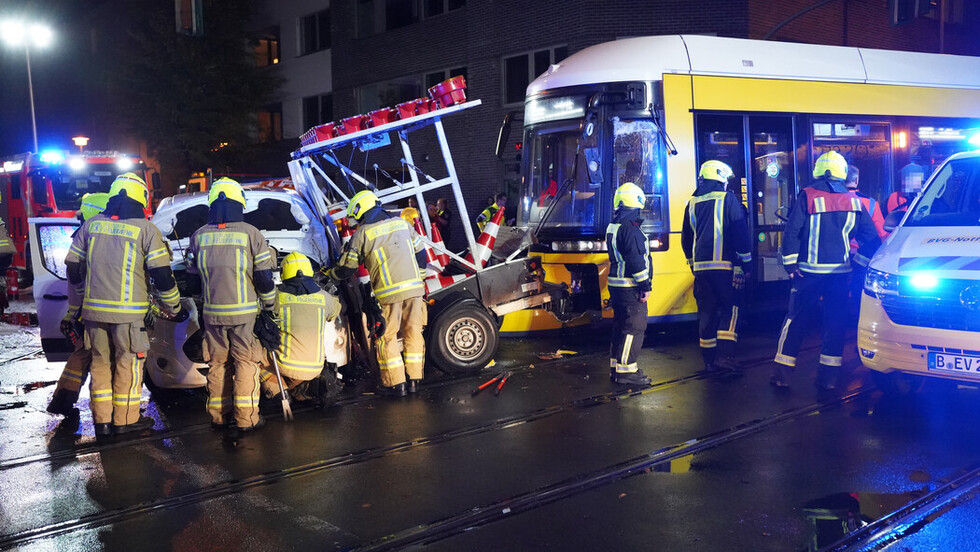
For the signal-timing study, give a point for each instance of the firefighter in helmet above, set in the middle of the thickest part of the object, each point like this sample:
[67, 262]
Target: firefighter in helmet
[715, 239]
[235, 267]
[386, 246]
[7, 252]
[111, 259]
[303, 310]
[817, 256]
[629, 284]
[77, 367]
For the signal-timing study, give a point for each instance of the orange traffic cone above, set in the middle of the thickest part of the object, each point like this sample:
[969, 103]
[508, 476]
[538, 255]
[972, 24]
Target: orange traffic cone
[437, 282]
[432, 264]
[484, 245]
[437, 239]
[363, 276]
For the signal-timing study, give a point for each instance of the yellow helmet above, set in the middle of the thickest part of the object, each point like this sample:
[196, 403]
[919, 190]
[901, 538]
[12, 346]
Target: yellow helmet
[716, 170]
[830, 164]
[409, 214]
[231, 188]
[295, 264]
[93, 204]
[132, 185]
[361, 203]
[629, 195]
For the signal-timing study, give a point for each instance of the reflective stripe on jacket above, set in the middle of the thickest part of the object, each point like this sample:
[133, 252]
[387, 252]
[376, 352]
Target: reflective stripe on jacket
[302, 322]
[387, 249]
[226, 256]
[715, 234]
[629, 254]
[116, 255]
[6, 244]
[819, 230]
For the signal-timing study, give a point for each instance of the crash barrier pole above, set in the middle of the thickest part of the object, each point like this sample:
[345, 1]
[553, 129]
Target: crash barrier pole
[287, 411]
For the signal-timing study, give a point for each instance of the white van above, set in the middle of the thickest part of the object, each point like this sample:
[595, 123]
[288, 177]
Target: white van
[281, 215]
[920, 310]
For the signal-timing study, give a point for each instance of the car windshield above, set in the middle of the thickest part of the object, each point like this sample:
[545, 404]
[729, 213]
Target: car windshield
[69, 185]
[952, 198]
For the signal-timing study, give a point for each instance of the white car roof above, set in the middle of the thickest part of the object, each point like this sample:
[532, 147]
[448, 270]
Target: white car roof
[170, 206]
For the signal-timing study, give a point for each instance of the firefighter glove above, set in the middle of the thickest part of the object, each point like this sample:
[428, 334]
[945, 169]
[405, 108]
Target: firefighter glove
[379, 326]
[738, 278]
[179, 314]
[267, 330]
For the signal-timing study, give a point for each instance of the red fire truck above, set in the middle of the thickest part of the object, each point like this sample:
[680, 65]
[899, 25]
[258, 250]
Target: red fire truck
[51, 184]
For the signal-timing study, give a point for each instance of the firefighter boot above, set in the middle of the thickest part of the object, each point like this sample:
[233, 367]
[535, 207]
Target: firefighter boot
[144, 422]
[413, 386]
[826, 377]
[780, 375]
[393, 391]
[631, 378]
[103, 431]
[63, 402]
[725, 362]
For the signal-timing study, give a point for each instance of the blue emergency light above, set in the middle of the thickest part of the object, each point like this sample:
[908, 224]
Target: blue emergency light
[52, 156]
[923, 281]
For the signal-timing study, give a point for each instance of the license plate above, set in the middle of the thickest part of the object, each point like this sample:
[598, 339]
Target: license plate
[959, 364]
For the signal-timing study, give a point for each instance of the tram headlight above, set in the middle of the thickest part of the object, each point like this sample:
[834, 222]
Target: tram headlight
[878, 284]
[581, 246]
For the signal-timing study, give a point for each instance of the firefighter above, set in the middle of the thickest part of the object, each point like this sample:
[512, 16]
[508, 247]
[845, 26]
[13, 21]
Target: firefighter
[7, 252]
[235, 268]
[77, 367]
[109, 261]
[303, 310]
[386, 246]
[715, 239]
[500, 202]
[629, 284]
[857, 271]
[816, 255]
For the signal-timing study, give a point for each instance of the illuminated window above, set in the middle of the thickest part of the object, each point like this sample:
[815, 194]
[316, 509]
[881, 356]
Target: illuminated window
[270, 123]
[520, 70]
[314, 32]
[267, 47]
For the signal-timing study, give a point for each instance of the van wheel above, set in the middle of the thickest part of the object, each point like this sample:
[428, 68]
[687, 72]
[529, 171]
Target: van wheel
[463, 340]
[897, 384]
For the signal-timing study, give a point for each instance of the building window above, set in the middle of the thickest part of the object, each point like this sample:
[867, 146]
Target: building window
[438, 7]
[434, 78]
[267, 47]
[314, 32]
[317, 110]
[270, 123]
[520, 70]
[388, 93]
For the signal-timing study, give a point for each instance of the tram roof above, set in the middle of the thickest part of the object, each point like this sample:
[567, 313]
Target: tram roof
[649, 58]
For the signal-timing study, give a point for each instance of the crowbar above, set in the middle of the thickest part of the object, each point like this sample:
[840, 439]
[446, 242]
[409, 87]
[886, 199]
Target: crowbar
[287, 411]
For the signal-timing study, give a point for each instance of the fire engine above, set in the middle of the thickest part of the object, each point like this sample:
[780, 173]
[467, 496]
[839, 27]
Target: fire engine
[51, 184]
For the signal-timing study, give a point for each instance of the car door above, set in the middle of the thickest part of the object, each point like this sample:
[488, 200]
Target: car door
[50, 239]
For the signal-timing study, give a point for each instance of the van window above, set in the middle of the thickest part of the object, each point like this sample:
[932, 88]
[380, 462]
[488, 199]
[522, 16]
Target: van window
[55, 239]
[953, 197]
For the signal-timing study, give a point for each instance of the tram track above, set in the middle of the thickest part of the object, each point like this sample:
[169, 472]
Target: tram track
[32, 352]
[240, 485]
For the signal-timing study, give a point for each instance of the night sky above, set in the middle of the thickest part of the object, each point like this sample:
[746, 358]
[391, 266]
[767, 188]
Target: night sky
[59, 75]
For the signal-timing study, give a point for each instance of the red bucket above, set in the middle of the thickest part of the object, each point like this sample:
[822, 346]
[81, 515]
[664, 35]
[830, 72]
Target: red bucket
[422, 105]
[449, 92]
[383, 116]
[406, 110]
[318, 133]
[354, 124]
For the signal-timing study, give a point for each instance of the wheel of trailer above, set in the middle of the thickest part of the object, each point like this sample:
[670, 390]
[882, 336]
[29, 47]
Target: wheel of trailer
[897, 384]
[463, 339]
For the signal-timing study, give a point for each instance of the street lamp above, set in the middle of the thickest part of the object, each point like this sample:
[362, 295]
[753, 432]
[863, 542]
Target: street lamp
[17, 33]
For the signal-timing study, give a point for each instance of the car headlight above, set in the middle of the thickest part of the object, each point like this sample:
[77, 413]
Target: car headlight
[878, 284]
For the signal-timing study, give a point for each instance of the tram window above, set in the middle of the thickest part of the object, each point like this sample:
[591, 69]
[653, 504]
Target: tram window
[866, 145]
[639, 158]
[556, 179]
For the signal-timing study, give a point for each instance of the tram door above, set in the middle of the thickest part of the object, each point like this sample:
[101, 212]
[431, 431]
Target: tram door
[760, 150]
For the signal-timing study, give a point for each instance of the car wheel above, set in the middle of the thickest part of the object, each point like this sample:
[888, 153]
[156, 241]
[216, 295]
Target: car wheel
[897, 384]
[463, 339]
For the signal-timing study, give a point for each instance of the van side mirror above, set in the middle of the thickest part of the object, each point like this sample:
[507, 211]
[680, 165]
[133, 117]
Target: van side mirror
[155, 181]
[504, 134]
[893, 220]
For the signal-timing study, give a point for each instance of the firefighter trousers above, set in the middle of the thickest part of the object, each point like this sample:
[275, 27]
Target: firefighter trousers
[75, 372]
[233, 375]
[629, 326]
[118, 352]
[717, 313]
[404, 320]
[806, 293]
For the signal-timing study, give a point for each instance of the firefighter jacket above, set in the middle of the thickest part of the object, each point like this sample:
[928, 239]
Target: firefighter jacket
[715, 234]
[629, 251]
[386, 246]
[303, 316]
[7, 248]
[109, 263]
[229, 257]
[819, 229]
[486, 216]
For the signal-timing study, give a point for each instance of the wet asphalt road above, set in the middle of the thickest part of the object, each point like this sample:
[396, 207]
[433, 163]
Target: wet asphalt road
[560, 460]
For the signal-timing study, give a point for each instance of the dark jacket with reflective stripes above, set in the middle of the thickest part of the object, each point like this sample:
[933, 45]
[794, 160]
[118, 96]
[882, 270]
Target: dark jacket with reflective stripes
[629, 251]
[715, 234]
[820, 227]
